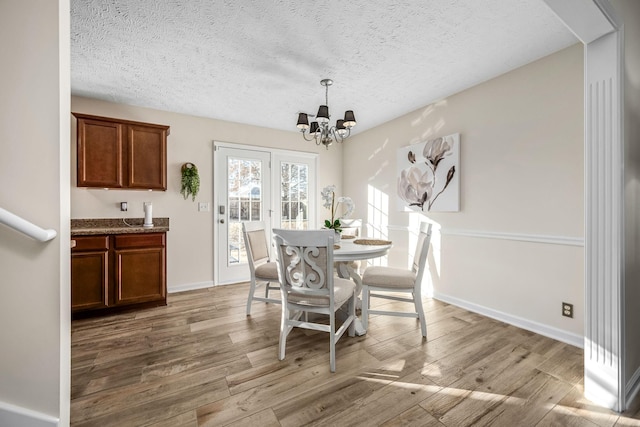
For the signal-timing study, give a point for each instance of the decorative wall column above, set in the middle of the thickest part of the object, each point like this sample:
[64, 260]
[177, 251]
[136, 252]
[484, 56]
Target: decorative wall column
[604, 222]
[595, 24]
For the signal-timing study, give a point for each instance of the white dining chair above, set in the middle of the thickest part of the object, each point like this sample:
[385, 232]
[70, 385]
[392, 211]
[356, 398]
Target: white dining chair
[308, 285]
[351, 227]
[263, 269]
[384, 282]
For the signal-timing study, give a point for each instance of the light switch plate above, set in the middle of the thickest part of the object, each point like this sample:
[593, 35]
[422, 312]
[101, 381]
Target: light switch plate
[203, 207]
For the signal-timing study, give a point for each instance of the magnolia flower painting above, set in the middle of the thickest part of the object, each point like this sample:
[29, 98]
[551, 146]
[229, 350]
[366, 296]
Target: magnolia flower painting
[428, 175]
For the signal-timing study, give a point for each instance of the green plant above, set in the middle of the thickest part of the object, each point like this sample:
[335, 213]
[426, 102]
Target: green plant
[190, 181]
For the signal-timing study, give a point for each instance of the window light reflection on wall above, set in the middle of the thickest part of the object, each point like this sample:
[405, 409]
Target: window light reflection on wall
[377, 218]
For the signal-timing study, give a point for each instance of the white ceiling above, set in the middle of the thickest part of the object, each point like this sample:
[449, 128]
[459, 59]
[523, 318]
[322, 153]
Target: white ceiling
[260, 62]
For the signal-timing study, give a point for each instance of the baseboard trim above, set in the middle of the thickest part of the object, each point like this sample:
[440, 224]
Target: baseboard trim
[16, 416]
[538, 328]
[190, 286]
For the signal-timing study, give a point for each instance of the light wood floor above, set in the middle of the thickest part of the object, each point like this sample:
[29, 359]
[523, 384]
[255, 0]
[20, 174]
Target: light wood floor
[201, 362]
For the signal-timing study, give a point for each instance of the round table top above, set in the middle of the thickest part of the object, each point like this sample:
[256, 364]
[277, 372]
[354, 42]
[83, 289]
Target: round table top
[350, 251]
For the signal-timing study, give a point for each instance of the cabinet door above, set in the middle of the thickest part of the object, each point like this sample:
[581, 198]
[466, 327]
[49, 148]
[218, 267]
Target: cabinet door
[100, 145]
[90, 274]
[147, 151]
[140, 268]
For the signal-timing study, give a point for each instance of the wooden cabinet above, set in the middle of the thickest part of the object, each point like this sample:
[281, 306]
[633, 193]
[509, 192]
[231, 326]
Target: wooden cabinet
[140, 268]
[114, 153]
[111, 272]
[90, 273]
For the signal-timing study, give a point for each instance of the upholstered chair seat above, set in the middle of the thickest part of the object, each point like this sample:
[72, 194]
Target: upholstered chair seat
[389, 277]
[342, 290]
[267, 271]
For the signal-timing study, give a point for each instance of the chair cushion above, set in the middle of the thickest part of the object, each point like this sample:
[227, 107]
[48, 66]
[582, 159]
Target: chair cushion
[267, 271]
[342, 290]
[389, 277]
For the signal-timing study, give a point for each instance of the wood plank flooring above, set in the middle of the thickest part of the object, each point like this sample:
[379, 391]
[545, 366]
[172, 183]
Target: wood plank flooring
[200, 361]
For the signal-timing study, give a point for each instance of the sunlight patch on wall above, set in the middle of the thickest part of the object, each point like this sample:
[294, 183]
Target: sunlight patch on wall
[377, 219]
[378, 150]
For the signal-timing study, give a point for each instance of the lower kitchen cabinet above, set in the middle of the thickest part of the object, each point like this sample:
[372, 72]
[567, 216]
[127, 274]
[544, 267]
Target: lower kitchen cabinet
[113, 272]
[140, 268]
[90, 273]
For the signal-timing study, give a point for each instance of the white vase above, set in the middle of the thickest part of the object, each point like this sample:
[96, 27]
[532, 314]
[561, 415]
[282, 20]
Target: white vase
[337, 237]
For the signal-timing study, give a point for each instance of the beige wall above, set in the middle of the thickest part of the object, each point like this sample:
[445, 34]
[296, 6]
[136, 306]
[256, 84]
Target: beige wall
[190, 239]
[34, 279]
[521, 172]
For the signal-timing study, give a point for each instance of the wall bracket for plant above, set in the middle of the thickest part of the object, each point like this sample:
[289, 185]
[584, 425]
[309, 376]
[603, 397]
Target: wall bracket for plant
[190, 181]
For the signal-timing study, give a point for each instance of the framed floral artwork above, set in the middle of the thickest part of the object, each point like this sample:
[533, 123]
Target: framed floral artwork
[428, 175]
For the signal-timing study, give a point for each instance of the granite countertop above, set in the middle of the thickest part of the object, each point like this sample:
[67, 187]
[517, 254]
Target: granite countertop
[89, 227]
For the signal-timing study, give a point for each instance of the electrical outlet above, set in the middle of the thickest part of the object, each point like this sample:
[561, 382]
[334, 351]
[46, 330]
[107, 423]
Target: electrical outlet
[123, 206]
[567, 309]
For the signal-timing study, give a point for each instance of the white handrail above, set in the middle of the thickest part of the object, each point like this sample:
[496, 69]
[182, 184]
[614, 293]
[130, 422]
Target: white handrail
[26, 227]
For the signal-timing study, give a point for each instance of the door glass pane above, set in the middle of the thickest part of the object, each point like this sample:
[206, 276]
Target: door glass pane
[244, 201]
[294, 196]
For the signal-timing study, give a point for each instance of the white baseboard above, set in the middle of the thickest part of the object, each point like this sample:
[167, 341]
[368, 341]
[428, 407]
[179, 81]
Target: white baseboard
[190, 286]
[16, 416]
[538, 328]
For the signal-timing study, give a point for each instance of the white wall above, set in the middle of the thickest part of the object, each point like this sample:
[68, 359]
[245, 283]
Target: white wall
[629, 11]
[521, 172]
[34, 279]
[190, 239]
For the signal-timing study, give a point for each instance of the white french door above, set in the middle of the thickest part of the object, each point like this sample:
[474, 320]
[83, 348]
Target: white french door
[255, 184]
[242, 179]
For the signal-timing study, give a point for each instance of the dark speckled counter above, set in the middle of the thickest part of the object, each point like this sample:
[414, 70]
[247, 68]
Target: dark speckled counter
[90, 227]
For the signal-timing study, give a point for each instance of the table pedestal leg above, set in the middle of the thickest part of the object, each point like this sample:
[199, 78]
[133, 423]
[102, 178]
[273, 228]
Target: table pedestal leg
[346, 271]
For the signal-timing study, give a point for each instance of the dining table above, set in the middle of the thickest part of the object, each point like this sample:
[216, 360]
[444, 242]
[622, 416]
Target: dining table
[348, 250]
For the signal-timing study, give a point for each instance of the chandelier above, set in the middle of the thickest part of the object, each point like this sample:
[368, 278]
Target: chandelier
[320, 131]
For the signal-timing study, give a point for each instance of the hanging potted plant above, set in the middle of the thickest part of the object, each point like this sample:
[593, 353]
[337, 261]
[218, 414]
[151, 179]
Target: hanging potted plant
[190, 181]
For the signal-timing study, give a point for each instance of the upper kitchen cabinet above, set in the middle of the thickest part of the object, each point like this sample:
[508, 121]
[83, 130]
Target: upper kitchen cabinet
[115, 153]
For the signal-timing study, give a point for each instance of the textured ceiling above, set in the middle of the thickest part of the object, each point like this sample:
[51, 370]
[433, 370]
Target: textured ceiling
[260, 62]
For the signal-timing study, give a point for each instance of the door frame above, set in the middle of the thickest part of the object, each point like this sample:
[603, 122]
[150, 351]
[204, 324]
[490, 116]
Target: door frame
[275, 192]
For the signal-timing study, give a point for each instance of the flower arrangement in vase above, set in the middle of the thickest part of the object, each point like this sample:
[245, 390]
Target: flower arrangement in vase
[332, 203]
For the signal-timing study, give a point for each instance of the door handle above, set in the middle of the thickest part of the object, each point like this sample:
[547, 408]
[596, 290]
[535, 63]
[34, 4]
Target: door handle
[222, 221]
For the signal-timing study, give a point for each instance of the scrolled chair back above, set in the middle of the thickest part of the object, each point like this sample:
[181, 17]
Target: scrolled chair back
[305, 260]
